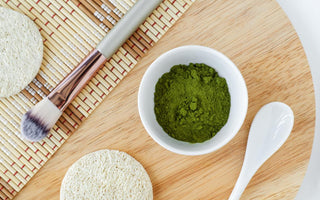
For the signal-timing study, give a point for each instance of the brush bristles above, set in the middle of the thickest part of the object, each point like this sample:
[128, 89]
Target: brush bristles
[38, 121]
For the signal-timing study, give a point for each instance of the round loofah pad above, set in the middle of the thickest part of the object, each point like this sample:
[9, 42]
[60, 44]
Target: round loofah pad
[106, 174]
[21, 51]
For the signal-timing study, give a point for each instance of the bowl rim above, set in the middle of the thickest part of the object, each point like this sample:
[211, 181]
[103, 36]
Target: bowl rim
[206, 150]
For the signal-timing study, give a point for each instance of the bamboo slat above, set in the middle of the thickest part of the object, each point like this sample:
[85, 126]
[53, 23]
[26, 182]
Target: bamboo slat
[70, 29]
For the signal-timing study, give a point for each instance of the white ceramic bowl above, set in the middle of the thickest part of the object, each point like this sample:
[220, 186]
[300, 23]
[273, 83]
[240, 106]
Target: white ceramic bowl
[186, 55]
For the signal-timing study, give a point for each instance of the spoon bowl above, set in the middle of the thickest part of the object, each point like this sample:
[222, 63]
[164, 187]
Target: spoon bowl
[270, 128]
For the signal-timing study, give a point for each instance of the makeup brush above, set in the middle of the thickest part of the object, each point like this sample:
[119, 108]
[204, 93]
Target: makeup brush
[38, 121]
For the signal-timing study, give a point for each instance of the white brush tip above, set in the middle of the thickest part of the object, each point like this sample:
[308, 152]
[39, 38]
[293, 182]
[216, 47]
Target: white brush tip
[37, 122]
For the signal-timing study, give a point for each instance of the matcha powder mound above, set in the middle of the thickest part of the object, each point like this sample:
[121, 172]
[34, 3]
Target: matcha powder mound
[192, 103]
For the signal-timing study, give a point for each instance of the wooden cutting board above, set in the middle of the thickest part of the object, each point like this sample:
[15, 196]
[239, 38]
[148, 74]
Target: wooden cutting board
[260, 40]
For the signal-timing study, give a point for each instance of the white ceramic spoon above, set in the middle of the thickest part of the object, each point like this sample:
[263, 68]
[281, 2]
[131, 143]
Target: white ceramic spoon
[269, 130]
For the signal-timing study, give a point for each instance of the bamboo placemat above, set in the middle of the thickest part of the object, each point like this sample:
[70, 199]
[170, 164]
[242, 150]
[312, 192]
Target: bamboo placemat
[70, 30]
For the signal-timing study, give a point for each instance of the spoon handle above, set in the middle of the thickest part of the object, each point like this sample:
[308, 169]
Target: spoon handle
[270, 128]
[245, 176]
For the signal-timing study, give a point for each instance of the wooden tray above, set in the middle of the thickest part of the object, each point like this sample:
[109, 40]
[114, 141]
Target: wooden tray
[259, 38]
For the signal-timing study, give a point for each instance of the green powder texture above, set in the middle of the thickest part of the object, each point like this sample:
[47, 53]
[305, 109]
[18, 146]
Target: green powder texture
[192, 102]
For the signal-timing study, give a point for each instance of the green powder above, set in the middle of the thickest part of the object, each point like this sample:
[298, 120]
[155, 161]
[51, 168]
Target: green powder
[192, 103]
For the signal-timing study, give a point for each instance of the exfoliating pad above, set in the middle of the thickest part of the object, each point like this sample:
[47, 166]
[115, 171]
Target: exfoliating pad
[106, 174]
[21, 51]
[70, 30]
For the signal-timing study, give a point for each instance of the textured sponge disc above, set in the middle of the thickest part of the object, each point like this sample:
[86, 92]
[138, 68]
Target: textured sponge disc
[106, 174]
[21, 51]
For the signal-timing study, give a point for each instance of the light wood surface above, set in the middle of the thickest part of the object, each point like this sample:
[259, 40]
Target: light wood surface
[260, 40]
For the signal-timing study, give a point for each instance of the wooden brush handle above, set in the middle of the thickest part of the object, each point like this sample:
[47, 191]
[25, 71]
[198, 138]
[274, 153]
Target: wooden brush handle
[126, 26]
[70, 87]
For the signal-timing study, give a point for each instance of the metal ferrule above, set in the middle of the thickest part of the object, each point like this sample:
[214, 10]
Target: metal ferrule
[70, 87]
